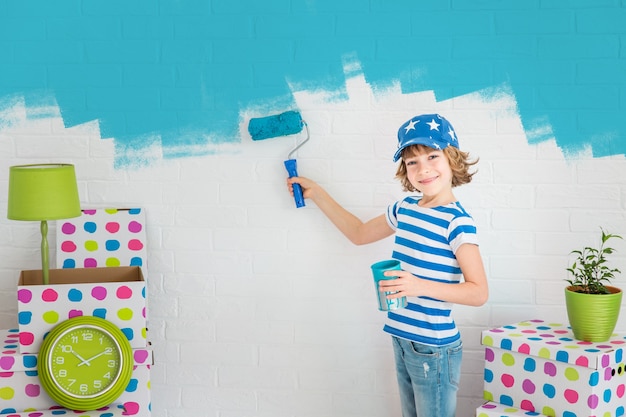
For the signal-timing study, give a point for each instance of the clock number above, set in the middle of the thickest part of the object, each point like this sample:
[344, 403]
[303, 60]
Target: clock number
[72, 382]
[107, 375]
[108, 351]
[97, 384]
[62, 373]
[87, 336]
[84, 388]
[59, 360]
[66, 349]
[112, 364]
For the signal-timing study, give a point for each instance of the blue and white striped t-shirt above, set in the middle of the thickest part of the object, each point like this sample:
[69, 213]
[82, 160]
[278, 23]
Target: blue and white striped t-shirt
[426, 241]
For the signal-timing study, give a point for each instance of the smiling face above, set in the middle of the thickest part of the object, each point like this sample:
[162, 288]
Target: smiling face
[429, 172]
[458, 160]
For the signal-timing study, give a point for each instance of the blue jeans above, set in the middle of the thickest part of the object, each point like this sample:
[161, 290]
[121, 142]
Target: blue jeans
[428, 377]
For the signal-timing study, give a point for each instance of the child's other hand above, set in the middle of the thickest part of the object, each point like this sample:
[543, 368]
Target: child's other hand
[406, 284]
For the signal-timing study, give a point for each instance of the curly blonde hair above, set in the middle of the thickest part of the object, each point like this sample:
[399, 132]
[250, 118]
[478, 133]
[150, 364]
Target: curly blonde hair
[459, 163]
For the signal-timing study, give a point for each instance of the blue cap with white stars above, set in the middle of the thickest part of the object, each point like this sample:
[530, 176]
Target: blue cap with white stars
[431, 130]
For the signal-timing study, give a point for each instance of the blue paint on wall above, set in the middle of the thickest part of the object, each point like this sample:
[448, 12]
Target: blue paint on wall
[179, 72]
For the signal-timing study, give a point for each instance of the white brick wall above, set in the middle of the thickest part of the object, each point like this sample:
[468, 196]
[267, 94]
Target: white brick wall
[260, 309]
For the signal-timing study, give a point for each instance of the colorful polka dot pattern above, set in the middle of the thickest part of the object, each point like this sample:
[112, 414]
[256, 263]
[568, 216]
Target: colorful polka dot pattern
[102, 238]
[41, 307]
[111, 411]
[21, 394]
[540, 367]
[490, 409]
[99, 238]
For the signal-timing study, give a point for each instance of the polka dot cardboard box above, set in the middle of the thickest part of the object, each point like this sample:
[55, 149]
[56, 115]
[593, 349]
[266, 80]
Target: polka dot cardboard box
[116, 294]
[539, 366]
[21, 393]
[102, 238]
[490, 409]
[111, 411]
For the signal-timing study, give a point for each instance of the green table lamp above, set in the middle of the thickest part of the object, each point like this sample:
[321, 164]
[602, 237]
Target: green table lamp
[43, 192]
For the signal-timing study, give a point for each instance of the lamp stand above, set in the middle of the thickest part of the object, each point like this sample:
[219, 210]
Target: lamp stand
[45, 264]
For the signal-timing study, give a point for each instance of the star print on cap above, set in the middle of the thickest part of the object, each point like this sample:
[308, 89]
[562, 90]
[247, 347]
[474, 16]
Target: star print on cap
[431, 130]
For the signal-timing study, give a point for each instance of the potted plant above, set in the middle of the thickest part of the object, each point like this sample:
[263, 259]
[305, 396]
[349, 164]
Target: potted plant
[592, 305]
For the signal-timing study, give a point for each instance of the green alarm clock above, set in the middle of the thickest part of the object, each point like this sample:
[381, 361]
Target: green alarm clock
[85, 363]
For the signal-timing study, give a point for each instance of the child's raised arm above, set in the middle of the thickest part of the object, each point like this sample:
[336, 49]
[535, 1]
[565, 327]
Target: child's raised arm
[357, 231]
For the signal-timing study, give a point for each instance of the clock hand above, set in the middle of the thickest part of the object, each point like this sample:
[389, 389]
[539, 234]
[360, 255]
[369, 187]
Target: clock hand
[77, 355]
[86, 361]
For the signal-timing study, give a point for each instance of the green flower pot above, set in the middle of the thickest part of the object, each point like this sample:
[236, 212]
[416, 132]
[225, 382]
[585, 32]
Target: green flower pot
[593, 317]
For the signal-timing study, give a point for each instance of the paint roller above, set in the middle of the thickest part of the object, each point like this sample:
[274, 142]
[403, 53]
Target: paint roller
[284, 124]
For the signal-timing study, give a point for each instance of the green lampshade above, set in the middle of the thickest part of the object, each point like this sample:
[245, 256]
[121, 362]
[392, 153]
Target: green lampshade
[43, 192]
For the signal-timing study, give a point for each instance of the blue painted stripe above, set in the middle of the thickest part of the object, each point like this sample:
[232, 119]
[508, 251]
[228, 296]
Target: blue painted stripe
[420, 338]
[420, 323]
[420, 263]
[462, 229]
[422, 232]
[437, 221]
[426, 310]
[411, 244]
[162, 69]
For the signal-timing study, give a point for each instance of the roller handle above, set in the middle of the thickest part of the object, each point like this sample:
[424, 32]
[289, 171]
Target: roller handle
[292, 170]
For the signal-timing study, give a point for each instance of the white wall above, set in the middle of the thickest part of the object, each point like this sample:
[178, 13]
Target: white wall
[261, 309]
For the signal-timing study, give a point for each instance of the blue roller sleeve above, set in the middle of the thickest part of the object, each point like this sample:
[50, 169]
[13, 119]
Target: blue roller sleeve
[287, 123]
[292, 169]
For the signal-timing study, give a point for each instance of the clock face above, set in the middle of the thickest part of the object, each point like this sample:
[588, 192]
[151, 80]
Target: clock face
[85, 363]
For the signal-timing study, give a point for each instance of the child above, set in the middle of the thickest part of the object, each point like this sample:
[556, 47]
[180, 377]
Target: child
[436, 242]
